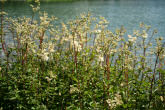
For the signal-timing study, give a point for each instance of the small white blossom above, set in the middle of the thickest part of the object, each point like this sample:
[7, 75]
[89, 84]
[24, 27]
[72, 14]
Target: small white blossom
[73, 89]
[161, 98]
[51, 48]
[122, 84]
[48, 79]
[144, 35]
[45, 56]
[131, 39]
[97, 31]
[115, 102]
[113, 51]
[52, 75]
[101, 58]
[77, 46]
[98, 49]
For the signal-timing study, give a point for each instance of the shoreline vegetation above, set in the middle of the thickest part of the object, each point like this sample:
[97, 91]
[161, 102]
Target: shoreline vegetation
[81, 65]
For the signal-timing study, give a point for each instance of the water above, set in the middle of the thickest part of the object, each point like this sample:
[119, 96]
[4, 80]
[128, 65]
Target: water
[118, 12]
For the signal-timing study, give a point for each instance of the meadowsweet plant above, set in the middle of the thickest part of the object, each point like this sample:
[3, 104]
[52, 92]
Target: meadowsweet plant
[80, 65]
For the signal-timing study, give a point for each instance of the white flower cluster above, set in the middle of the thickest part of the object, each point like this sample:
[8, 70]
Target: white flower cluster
[97, 31]
[101, 58]
[51, 47]
[73, 89]
[115, 102]
[51, 77]
[44, 20]
[144, 34]
[36, 8]
[44, 55]
[131, 39]
[77, 46]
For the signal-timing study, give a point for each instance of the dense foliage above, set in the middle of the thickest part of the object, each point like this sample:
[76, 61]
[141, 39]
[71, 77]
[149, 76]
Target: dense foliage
[80, 65]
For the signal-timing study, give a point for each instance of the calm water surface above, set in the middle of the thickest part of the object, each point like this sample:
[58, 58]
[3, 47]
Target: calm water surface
[118, 12]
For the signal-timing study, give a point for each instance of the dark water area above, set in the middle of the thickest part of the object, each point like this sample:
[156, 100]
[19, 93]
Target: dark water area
[128, 13]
